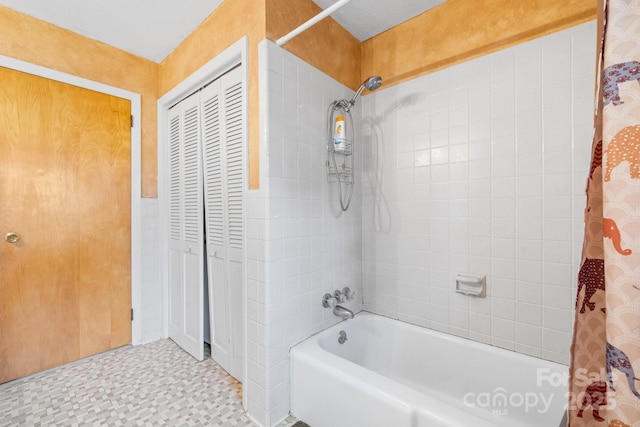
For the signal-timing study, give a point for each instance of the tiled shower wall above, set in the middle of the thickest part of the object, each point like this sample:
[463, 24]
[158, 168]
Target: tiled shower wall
[300, 245]
[480, 168]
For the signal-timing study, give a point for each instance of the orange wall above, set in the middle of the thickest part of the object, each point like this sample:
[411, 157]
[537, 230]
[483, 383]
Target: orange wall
[31, 40]
[327, 46]
[459, 30]
[260, 19]
[453, 32]
[232, 20]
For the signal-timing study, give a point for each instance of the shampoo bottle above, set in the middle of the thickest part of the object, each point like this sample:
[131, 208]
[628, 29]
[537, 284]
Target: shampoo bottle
[339, 134]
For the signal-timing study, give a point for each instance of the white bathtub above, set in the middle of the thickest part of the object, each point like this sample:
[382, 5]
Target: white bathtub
[392, 374]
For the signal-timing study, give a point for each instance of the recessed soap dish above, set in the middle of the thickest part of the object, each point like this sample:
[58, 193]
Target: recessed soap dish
[468, 284]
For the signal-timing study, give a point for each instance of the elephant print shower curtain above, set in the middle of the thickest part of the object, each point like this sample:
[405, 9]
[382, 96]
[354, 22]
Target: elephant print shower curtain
[605, 353]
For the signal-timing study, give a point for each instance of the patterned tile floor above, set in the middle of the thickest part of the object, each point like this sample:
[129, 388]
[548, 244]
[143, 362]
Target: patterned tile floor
[149, 385]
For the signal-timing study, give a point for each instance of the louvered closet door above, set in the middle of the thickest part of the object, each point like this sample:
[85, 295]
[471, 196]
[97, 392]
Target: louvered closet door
[186, 227]
[224, 154]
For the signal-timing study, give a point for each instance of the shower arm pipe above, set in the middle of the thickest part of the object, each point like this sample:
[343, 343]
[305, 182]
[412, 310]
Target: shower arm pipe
[311, 22]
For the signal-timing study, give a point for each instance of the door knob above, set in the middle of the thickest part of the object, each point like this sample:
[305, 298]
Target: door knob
[12, 237]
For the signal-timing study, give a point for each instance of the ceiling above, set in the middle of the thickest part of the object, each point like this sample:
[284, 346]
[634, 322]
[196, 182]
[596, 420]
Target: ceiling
[367, 18]
[148, 28]
[154, 28]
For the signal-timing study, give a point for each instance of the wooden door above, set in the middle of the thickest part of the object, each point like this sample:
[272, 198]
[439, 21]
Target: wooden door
[65, 286]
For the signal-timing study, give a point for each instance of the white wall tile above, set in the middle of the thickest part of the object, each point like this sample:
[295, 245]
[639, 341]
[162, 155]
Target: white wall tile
[503, 153]
[304, 246]
[529, 335]
[530, 314]
[482, 171]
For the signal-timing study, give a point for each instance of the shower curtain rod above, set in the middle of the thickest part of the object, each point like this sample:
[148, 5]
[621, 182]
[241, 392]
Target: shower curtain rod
[319, 17]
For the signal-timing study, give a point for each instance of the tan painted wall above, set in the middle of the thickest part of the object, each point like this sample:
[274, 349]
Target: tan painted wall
[232, 20]
[31, 40]
[260, 19]
[459, 30]
[429, 42]
[327, 46]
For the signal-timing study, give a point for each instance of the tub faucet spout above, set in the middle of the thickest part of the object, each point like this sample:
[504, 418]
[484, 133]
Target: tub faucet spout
[343, 312]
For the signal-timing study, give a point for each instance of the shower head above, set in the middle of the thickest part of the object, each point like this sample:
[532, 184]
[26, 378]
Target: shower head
[372, 83]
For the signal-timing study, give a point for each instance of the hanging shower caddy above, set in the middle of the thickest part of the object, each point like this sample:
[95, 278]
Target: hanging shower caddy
[340, 151]
[340, 142]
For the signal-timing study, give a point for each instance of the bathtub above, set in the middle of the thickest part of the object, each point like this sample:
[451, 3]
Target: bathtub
[391, 373]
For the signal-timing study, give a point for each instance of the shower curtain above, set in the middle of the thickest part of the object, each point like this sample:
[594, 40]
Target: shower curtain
[605, 353]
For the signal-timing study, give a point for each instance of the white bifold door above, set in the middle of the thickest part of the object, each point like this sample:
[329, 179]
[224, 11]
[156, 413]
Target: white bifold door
[186, 242]
[207, 200]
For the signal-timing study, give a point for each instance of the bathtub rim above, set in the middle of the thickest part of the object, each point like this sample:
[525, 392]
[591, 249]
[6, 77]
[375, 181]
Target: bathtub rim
[315, 338]
[398, 393]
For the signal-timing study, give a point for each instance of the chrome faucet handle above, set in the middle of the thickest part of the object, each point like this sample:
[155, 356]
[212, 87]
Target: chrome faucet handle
[329, 301]
[348, 293]
[339, 296]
